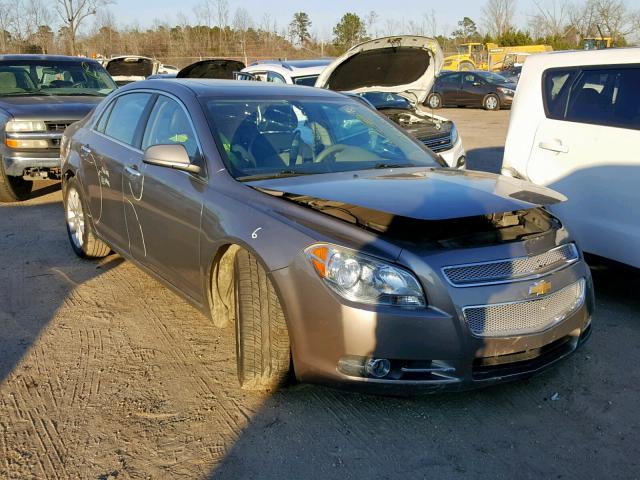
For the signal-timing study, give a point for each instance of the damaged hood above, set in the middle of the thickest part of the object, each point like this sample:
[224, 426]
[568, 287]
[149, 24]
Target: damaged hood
[418, 193]
[405, 64]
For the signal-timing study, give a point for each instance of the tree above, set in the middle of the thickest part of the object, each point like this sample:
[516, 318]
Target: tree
[349, 31]
[498, 16]
[299, 28]
[74, 12]
[467, 31]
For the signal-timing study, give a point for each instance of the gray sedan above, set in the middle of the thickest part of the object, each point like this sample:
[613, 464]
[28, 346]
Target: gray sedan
[337, 246]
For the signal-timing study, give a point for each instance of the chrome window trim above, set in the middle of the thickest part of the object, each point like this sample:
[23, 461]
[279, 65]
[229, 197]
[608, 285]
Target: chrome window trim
[576, 257]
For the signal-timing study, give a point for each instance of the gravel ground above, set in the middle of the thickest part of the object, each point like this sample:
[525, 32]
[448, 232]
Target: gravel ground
[105, 374]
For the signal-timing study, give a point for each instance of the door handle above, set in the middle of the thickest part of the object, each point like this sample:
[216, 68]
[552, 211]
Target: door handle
[132, 171]
[554, 146]
[85, 149]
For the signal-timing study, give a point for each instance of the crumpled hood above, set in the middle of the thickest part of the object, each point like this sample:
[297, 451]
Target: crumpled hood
[58, 107]
[419, 193]
[401, 64]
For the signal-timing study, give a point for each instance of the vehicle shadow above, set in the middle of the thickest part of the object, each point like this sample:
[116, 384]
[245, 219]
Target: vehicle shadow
[488, 159]
[47, 187]
[35, 261]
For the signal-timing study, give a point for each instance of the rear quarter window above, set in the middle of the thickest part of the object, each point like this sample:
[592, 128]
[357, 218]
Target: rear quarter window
[607, 96]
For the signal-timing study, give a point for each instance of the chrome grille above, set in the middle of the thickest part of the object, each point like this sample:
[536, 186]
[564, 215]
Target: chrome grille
[57, 126]
[438, 144]
[518, 318]
[512, 269]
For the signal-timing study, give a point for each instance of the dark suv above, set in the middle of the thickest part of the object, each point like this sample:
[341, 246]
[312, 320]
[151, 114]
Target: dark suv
[40, 96]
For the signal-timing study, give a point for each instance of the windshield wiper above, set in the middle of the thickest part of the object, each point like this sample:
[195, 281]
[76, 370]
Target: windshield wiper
[266, 176]
[393, 165]
[25, 94]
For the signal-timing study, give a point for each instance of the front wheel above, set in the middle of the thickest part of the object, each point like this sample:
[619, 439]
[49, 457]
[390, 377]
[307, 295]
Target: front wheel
[79, 228]
[491, 102]
[13, 189]
[262, 338]
[434, 101]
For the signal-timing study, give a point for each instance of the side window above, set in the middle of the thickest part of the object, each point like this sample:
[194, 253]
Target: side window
[275, 78]
[556, 86]
[168, 123]
[607, 97]
[469, 78]
[125, 116]
[102, 123]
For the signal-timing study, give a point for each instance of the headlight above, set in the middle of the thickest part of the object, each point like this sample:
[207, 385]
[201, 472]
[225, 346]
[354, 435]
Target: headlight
[454, 134]
[507, 91]
[15, 126]
[363, 279]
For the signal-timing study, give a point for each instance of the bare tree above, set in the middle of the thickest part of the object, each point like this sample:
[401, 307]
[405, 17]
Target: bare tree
[498, 16]
[38, 17]
[431, 23]
[550, 18]
[74, 12]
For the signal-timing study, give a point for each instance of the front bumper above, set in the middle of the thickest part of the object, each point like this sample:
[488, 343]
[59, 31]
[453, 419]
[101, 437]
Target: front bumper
[17, 163]
[433, 346]
[505, 99]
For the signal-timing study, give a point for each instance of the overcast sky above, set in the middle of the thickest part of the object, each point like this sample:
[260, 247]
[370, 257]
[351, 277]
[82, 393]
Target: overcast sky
[324, 14]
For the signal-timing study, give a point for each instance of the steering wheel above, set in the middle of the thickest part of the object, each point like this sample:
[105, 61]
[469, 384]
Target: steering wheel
[329, 151]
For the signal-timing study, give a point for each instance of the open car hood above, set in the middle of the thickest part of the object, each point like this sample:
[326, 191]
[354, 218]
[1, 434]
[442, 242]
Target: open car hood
[418, 193]
[220, 68]
[405, 64]
[131, 68]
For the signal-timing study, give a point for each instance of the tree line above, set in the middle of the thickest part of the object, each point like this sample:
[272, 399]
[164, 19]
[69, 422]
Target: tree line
[88, 27]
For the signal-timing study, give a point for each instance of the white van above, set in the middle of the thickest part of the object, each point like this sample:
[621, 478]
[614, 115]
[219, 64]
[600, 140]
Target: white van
[575, 127]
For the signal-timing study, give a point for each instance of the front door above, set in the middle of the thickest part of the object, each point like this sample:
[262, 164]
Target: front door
[165, 205]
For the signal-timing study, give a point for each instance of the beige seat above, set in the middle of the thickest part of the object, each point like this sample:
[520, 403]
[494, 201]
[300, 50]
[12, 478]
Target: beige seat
[8, 82]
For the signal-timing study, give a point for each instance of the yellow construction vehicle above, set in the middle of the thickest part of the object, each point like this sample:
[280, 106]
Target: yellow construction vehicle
[597, 43]
[478, 56]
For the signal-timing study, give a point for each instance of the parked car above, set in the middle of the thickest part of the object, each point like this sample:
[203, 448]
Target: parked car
[575, 126]
[327, 236]
[40, 95]
[396, 74]
[132, 68]
[293, 72]
[471, 89]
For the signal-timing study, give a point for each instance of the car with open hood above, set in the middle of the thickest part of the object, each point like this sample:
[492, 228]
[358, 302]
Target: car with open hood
[404, 67]
[333, 242]
[217, 68]
[290, 72]
[40, 96]
[131, 68]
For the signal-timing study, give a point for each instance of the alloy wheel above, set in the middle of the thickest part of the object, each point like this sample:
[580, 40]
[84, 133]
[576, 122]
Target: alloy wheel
[75, 218]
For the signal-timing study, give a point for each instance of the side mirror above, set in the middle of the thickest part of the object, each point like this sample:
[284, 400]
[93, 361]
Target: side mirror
[170, 156]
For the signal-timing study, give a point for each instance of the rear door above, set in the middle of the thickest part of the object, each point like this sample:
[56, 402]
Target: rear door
[587, 148]
[449, 86]
[107, 151]
[164, 205]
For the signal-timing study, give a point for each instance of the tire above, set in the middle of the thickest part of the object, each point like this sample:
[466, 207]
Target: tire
[262, 339]
[466, 67]
[491, 102]
[79, 227]
[13, 189]
[434, 101]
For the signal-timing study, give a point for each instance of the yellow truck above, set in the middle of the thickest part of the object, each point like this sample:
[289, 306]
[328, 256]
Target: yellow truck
[490, 56]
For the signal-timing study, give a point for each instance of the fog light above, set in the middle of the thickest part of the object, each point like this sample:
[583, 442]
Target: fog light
[377, 367]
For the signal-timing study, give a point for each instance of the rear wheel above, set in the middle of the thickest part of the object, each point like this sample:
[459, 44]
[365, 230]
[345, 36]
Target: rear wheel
[262, 338]
[79, 228]
[491, 102]
[434, 100]
[13, 189]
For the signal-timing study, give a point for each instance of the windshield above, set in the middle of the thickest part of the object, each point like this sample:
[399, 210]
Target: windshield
[264, 138]
[40, 77]
[382, 100]
[492, 77]
[308, 80]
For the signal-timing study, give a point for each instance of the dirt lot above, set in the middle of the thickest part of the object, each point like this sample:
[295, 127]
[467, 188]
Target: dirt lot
[105, 374]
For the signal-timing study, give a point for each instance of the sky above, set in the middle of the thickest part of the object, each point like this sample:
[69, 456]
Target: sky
[324, 14]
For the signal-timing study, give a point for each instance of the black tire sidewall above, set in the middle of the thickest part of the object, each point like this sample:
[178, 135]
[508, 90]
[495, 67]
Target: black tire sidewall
[72, 184]
[9, 191]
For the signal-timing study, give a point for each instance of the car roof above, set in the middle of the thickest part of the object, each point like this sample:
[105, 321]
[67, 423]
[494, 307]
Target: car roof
[287, 68]
[574, 58]
[233, 88]
[54, 58]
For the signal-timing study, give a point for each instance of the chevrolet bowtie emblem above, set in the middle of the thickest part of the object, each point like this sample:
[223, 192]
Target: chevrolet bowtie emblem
[540, 288]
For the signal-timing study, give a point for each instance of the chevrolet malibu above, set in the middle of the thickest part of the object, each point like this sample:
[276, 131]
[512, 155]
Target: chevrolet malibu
[337, 247]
